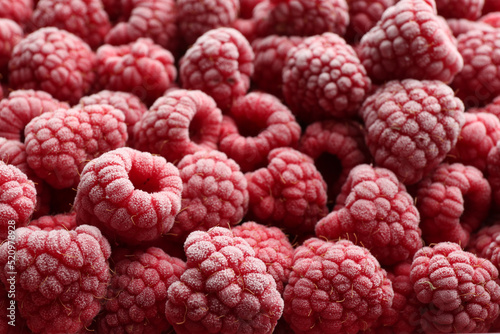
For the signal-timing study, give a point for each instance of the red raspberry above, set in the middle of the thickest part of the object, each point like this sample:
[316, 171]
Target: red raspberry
[301, 17]
[410, 41]
[55, 61]
[61, 142]
[220, 63]
[493, 174]
[179, 123]
[492, 19]
[196, 17]
[137, 293]
[225, 288]
[457, 290]
[10, 34]
[491, 6]
[364, 15]
[62, 221]
[411, 126]
[323, 78]
[462, 26]
[485, 243]
[141, 67]
[84, 18]
[17, 110]
[247, 6]
[61, 276]
[466, 9]
[131, 196]
[335, 288]
[256, 124]
[272, 246]
[288, 193]
[19, 11]
[453, 201]
[214, 193]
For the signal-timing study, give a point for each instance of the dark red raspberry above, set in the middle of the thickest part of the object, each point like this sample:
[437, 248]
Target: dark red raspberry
[410, 41]
[411, 126]
[141, 67]
[61, 276]
[462, 26]
[19, 11]
[181, 122]
[453, 201]
[335, 288]
[457, 290]
[485, 243]
[288, 193]
[10, 34]
[461, 9]
[493, 174]
[131, 196]
[225, 288]
[59, 143]
[364, 15]
[323, 78]
[220, 63]
[256, 124]
[137, 293]
[62, 221]
[491, 6]
[54, 61]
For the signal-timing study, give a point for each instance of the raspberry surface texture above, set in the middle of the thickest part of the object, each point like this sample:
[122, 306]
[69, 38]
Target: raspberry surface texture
[19, 11]
[10, 34]
[411, 125]
[62, 221]
[364, 15]
[131, 196]
[465, 9]
[485, 243]
[225, 288]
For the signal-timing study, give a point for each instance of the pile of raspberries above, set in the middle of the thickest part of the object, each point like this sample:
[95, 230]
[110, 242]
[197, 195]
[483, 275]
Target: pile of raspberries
[249, 166]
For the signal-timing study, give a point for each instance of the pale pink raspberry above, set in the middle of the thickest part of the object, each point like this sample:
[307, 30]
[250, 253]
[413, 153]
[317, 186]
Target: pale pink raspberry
[10, 34]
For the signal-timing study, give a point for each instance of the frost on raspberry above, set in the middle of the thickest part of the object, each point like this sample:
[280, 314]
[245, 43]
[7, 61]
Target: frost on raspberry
[364, 15]
[62, 221]
[131, 196]
[10, 34]
[225, 288]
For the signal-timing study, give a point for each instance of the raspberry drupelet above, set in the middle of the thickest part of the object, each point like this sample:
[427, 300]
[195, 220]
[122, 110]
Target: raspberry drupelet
[364, 15]
[485, 243]
[62, 221]
[10, 34]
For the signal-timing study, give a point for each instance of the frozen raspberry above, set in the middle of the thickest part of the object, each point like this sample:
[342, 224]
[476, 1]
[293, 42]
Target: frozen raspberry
[462, 26]
[493, 174]
[256, 124]
[154, 19]
[62, 221]
[457, 289]
[196, 17]
[17, 110]
[10, 34]
[141, 67]
[364, 15]
[272, 246]
[492, 19]
[410, 41]
[54, 61]
[270, 55]
[220, 63]
[19, 11]
[336, 148]
[131, 196]
[461, 9]
[411, 125]
[491, 6]
[86, 19]
[61, 276]
[18, 199]
[335, 288]
[247, 6]
[323, 78]
[60, 143]
[453, 201]
[182, 122]
[288, 193]
[137, 293]
[485, 243]
[301, 17]
[225, 288]
[214, 193]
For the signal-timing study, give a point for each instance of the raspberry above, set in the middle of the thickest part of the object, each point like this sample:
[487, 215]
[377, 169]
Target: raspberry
[493, 174]
[10, 34]
[141, 67]
[19, 11]
[18, 199]
[86, 19]
[214, 193]
[179, 123]
[453, 201]
[54, 61]
[17, 110]
[364, 15]
[61, 142]
[491, 108]
[492, 19]
[335, 288]
[462, 26]
[323, 78]
[154, 19]
[137, 293]
[61, 276]
[301, 17]
[466, 9]
[62, 221]
[270, 55]
[256, 124]
[491, 6]
[220, 63]
[131, 196]
[410, 41]
[411, 126]
[336, 148]
[288, 193]
[247, 6]
[196, 17]
[485, 243]
[225, 288]
[457, 289]
[271, 246]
